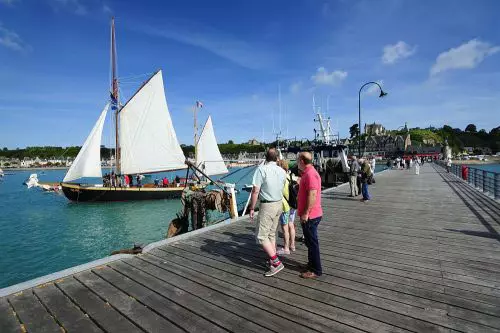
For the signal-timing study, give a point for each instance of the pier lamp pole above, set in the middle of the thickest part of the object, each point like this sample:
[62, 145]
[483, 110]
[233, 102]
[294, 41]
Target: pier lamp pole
[382, 94]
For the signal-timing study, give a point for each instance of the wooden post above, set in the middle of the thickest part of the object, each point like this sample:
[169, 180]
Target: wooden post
[233, 207]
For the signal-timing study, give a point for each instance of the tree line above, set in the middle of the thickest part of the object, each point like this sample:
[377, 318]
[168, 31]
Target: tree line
[46, 152]
[456, 137]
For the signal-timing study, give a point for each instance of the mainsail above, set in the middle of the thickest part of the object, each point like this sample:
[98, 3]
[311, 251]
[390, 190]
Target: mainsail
[88, 161]
[147, 138]
[209, 159]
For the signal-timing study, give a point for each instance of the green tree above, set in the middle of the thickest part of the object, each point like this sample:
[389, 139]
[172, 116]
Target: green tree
[230, 142]
[354, 130]
[5, 149]
[447, 129]
[483, 134]
[495, 131]
[471, 128]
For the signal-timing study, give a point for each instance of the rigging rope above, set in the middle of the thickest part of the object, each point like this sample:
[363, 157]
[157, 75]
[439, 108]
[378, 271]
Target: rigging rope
[235, 171]
[121, 78]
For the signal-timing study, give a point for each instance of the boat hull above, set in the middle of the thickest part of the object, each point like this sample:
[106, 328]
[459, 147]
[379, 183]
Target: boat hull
[79, 193]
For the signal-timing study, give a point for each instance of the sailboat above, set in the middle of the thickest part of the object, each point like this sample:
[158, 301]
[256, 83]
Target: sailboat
[208, 156]
[145, 143]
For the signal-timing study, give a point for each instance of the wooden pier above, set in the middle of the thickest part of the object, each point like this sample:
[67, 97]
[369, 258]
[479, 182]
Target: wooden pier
[422, 256]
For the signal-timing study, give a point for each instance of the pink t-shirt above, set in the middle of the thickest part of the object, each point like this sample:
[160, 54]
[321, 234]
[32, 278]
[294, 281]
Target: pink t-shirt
[310, 180]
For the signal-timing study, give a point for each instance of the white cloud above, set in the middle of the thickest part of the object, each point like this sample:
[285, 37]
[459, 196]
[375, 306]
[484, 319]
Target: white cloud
[11, 40]
[74, 6]
[465, 56]
[296, 87]
[398, 51]
[106, 9]
[323, 77]
[9, 2]
[215, 41]
[325, 9]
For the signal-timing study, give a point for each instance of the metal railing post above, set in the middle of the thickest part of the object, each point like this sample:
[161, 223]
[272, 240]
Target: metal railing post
[496, 184]
[484, 181]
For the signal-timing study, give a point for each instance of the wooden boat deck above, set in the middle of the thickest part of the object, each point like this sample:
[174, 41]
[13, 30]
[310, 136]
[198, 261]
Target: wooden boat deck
[422, 256]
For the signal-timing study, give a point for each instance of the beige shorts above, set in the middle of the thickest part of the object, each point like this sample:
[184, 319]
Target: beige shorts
[267, 224]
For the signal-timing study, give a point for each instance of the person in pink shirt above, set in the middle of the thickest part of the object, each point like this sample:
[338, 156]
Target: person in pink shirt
[310, 213]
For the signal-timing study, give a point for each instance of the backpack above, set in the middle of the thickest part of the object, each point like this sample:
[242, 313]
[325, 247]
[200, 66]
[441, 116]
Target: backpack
[293, 193]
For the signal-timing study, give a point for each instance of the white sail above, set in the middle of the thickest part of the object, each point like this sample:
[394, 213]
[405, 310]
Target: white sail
[209, 159]
[88, 161]
[147, 138]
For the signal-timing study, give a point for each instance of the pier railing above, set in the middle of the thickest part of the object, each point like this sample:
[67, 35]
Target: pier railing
[485, 181]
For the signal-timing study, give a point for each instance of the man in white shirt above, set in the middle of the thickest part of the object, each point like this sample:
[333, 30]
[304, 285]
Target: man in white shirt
[268, 182]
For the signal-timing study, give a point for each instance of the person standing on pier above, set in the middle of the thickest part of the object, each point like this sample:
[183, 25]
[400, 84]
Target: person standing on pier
[372, 163]
[289, 209]
[366, 176]
[353, 177]
[310, 213]
[268, 182]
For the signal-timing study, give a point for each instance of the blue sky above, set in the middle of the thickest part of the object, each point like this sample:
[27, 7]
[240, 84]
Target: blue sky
[438, 60]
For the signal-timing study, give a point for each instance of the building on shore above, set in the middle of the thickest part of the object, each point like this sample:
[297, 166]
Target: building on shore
[374, 129]
[253, 142]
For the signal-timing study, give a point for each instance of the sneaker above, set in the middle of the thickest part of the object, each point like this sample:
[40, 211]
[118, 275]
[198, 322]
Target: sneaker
[274, 270]
[281, 251]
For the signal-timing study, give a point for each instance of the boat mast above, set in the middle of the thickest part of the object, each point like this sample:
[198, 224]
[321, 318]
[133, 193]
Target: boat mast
[114, 95]
[196, 108]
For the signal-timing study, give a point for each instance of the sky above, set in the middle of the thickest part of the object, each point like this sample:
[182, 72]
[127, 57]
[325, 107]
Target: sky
[438, 60]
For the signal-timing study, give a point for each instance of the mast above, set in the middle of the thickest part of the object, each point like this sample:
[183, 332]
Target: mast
[196, 108]
[114, 96]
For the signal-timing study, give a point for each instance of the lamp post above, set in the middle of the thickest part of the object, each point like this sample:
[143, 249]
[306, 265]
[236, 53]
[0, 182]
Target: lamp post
[382, 94]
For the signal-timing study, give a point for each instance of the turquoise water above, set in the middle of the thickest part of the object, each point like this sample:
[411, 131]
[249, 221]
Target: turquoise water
[41, 233]
[487, 167]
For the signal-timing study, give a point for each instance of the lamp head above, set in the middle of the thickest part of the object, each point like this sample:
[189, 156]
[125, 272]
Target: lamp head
[382, 93]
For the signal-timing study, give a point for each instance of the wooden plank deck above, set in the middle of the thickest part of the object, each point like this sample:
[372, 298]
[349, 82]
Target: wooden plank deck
[422, 256]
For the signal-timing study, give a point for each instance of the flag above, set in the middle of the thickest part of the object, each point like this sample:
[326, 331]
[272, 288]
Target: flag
[199, 104]
[114, 102]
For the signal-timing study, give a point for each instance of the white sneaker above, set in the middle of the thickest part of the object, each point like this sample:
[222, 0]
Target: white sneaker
[274, 270]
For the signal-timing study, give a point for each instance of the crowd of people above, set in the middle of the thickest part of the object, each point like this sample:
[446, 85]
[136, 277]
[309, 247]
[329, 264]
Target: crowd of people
[360, 176]
[114, 180]
[282, 196]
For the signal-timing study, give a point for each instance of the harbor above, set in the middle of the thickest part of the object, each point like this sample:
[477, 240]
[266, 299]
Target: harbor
[421, 257]
[266, 166]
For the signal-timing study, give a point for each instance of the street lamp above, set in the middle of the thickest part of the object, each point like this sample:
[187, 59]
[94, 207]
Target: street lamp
[382, 94]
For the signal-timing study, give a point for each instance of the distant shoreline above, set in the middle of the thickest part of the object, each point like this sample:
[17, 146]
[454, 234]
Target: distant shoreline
[491, 160]
[39, 168]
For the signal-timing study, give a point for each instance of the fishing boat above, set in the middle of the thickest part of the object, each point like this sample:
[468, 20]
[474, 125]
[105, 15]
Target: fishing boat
[145, 142]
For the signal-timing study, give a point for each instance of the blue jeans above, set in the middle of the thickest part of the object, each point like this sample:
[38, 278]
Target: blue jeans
[364, 191]
[310, 231]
